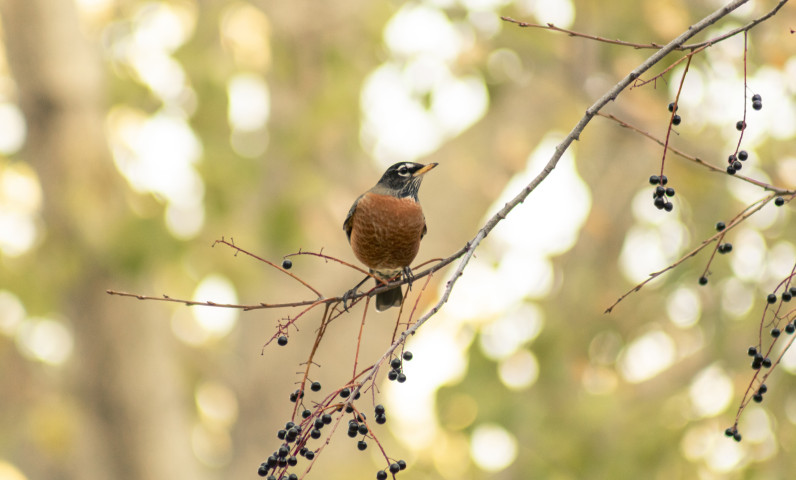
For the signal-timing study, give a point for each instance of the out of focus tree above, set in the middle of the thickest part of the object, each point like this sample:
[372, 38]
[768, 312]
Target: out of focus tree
[135, 133]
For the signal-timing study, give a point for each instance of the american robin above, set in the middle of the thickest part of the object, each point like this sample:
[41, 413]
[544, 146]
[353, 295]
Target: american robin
[385, 226]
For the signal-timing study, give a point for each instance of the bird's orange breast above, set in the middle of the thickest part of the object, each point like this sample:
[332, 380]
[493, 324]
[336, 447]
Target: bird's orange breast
[386, 232]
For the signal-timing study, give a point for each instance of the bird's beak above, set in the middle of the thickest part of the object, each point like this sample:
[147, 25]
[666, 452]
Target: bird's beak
[424, 169]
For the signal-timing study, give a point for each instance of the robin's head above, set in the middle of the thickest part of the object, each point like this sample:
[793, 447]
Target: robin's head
[403, 179]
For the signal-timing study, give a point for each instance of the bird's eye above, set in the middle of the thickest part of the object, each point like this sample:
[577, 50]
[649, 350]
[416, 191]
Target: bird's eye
[403, 170]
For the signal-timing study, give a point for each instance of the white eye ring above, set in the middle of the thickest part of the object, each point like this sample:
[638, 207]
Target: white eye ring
[403, 170]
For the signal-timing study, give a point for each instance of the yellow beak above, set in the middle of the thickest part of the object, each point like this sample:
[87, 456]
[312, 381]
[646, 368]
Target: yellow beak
[424, 169]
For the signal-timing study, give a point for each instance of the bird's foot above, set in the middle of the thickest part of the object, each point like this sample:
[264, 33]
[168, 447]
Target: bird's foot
[407, 273]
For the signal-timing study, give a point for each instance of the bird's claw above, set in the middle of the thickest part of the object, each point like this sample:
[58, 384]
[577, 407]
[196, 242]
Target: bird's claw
[407, 273]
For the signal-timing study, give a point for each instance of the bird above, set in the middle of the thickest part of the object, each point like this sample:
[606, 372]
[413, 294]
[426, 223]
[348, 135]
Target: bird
[385, 225]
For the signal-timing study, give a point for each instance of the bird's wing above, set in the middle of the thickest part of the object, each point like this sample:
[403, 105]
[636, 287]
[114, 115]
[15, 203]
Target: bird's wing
[348, 224]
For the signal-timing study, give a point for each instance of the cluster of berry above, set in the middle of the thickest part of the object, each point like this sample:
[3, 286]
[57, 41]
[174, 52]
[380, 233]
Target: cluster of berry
[661, 192]
[295, 437]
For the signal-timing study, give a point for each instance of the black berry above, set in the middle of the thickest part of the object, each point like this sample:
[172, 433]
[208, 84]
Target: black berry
[672, 107]
[790, 328]
[263, 470]
[743, 155]
[775, 332]
[757, 105]
[281, 341]
[740, 125]
[736, 436]
[362, 445]
[772, 298]
[381, 419]
[670, 192]
[379, 409]
[703, 280]
[757, 398]
[345, 393]
[767, 362]
[779, 201]
[326, 419]
[737, 165]
[315, 433]
[381, 475]
[762, 389]
[720, 226]
[655, 180]
[757, 98]
[676, 120]
[309, 455]
[395, 468]
[315, 386]
[731, 170]
[287, 264]
[401, 464]
[292, 461]
[401, 377]
[752, 351]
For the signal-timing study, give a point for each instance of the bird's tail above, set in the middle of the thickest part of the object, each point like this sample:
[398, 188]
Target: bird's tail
[390, 298]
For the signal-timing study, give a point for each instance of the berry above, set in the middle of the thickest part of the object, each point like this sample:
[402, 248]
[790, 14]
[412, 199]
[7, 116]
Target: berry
[381, 419]
[345, 393]
[757, 398]
[292, 461]
[676, 120]
[731, 170]
[309, 455]
[362, 445]
[402, 464]
[659, 203]
[790, 328]
[729, 432]
[725, 248]
[326, 419]
[757, 105]
[703, 280]
[392, 375]
[775, 332]
[315, 386]
[779, 201]
[737, 165]
[292, 476]
[672, 107]
[287, 264]
[743, 155]
[407, 355]
[736, 436]
[793, 291]
[353, 433]
[281, 434]
[786, 296]
[306, 414]
[379, 409]
[655, 180]
[757, 98]
[363, 429]
[731, 159]
[762, 389]
[283, 451]
[395, 468]
[401, 377]
[756, 364]
[290, 425]
[668, 206]
[767, 362]
[752, 351]
[381, 475]
[395, 363]
[772, 298]
[740, 125]
[659, 191]
[271, 462]
[263, 470]
[664, 180]
[670, 192]
[315, 433]
[281, 341]
[720, 226]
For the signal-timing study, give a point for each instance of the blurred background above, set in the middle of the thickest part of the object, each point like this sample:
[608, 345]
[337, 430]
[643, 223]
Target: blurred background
[133, 134]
